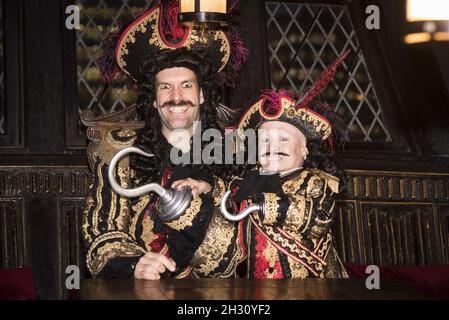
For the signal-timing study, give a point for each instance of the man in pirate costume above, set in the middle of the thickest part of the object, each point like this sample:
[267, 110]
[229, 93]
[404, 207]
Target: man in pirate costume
[176, 74]
[288, 233]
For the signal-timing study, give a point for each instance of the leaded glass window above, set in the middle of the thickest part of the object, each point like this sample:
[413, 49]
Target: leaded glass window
[97, 19]
[302, 40]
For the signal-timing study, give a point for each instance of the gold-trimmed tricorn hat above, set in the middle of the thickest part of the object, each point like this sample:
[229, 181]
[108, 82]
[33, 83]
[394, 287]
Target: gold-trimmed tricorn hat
[283, 106]
[158, 29]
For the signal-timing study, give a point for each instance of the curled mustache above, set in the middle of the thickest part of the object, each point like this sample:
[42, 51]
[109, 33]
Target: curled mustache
[181, 103]
[275, 154]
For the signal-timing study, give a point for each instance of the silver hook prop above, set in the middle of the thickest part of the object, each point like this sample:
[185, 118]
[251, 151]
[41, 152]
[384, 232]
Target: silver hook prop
[173, 203]
[237, 217]
[136, 192]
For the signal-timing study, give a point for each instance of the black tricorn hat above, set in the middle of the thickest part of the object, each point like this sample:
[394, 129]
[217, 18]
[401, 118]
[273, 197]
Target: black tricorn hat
[158, 29]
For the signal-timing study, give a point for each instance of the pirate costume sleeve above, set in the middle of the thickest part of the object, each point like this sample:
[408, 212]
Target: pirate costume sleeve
[117, 231]
[109, 226]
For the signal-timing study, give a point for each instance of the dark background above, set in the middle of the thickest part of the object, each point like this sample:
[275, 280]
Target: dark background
[396, 211]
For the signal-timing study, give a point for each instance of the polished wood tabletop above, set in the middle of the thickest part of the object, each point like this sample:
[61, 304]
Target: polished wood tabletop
[243, 289]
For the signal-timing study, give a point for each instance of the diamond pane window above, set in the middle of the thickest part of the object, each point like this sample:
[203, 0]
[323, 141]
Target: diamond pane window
[302, 40]
[2, 76]
[97, 19]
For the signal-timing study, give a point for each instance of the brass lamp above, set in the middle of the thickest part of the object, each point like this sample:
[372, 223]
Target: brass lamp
[210, 13]
[427, 20]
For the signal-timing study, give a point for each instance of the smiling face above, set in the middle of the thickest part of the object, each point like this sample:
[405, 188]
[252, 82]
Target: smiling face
[282, 147]
[178, 98]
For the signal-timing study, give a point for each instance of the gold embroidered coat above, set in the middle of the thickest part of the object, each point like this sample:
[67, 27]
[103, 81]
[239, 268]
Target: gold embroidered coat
[117, 231]
[293, 239]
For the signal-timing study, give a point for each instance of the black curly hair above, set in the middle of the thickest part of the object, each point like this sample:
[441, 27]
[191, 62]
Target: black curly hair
[150, 137]
[321, 156]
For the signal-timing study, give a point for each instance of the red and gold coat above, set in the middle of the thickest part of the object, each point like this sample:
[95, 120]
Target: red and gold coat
[293, 239]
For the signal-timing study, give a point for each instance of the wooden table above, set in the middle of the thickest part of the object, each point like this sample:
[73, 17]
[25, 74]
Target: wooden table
[242, 289]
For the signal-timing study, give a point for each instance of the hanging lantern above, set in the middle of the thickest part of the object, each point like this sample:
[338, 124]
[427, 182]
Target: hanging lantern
[211, 13]
[427, 20]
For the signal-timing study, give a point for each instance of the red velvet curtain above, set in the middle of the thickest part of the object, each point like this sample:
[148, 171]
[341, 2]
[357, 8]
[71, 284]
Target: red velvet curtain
[434, 280]
[17, 284]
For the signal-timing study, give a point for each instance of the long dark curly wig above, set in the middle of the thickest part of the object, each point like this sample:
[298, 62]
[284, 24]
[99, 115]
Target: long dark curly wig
[321, 154]
[150, 137]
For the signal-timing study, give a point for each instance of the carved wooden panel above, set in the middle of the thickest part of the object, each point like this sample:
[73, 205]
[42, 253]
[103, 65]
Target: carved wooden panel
[444, 223]
[401, 234]
[46, 181]
[40, 222]
[347, 230]
[398, 186]
[71, 214]
[11, 233]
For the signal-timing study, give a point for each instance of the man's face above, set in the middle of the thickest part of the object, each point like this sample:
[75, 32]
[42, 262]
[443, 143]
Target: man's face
[178, 97]
[282, 147]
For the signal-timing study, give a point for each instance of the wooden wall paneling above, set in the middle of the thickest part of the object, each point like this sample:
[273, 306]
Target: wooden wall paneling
[348, 238]
[401, 233]
[44, 70]
[13, 76]
[443, 212]
[70, 211]
[12, 249]
[52, 199]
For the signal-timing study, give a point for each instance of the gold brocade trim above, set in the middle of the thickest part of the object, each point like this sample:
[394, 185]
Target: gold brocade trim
[219, 191]
[156, 38]
[332, 181]
[89, 204]
[130, 37]
[322, 249]
[138, 208]
[294, 217]
[225, 46]
[164, 249]
[290, 247]
[315, 186]
[123, 133]
[123, 246]
[219, 237]
[152, 20]
[99, 200]
[297, 270]
[123, 219]
[110, 251]
[292, 186]
[187, 271]
[122, 173]
[112, 211]
[308, 214]
[247, 116]
[271, 256]
[271, 207]
[304, 114]
[186, 219]
[148, 235]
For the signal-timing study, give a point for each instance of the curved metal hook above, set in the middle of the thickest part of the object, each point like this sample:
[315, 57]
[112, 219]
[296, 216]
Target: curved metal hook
[136, 192]
[237, 217]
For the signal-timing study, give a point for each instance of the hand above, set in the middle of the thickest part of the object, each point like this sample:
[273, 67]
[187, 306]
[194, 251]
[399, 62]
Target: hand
[197, 186]
[254, 185]
[151, 265]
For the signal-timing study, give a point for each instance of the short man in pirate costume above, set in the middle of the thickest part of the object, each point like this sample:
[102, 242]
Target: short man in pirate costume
[288, 200]
[177, 89]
